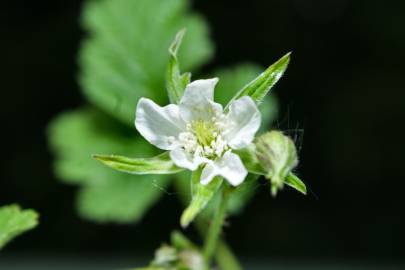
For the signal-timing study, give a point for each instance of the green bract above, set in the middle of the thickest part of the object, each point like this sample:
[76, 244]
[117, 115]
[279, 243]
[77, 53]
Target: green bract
[14, 221]
[176, 82]
[260, 87]
[161, 164]
[200, 197]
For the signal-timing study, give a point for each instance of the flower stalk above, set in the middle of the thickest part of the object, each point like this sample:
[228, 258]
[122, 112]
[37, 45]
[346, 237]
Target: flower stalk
[213, 234]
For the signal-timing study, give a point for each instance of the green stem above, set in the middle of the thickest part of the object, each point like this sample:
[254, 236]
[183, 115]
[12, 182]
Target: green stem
[224, 256]
[214, 231]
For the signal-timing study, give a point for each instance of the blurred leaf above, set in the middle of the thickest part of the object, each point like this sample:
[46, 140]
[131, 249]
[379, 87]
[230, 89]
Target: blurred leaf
[125, 55]
[176, 82]
[201, 196]
[14, 221]
[259, 87]
[161, 164]
[106, 195]
[293, 181]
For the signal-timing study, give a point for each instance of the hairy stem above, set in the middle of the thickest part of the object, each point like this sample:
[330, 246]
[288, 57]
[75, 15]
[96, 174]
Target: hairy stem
[213, 234]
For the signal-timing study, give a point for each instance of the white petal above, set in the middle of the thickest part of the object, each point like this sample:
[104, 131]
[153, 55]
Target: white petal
[208, 173]
[229, 166]
[158, 125]
[243, 122]
[184, 160]
[197, 101]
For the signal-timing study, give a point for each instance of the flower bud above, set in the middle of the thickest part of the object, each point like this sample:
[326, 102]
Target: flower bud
[277, 155]
[165, 256]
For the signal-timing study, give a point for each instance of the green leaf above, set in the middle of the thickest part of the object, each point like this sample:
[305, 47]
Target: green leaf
[14, 221]
[106, 195]
[201, 196]
[161, 164]
[176, 82]
[293, 181]
[259, 87]
[125, 54]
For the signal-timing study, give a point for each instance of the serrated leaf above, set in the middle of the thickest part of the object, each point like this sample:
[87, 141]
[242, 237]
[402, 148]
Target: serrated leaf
[125, 55]
[161, 164]
[201, 196]
[261, 85]
[293, 181]
[14, 221]
[106, 195]
[176, 82]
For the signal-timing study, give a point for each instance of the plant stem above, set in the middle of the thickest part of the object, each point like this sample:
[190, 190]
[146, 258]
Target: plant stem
[224, 256]
[214, 231]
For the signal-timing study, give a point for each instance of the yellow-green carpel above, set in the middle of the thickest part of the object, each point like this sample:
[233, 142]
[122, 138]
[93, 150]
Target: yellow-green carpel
[205, 132]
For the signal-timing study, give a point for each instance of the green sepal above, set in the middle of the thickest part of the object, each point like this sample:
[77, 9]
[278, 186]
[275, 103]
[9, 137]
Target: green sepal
[262, 84]
[201, 196]
[161, 164]
[176, 82]
[293, 181]
[14, 221]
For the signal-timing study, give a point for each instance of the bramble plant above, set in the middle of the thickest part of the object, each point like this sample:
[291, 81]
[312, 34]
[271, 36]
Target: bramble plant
[213, 142]
[124, 62]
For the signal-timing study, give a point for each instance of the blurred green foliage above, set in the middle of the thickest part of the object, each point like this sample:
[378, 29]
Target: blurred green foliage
[125, 57]
[126, 53]
[14, 221]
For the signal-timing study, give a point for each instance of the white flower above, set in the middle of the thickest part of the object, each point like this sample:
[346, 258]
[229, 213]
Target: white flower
[198, 132]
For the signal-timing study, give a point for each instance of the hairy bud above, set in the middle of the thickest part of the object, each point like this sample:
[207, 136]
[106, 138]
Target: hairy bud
[277, 155]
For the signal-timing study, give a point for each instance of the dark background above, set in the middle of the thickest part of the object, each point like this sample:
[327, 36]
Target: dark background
[344, 88]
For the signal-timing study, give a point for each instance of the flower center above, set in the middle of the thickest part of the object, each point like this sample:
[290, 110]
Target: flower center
[204, 138]
[204, 131]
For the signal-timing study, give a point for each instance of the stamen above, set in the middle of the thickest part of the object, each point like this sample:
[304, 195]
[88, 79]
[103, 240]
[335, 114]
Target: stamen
[203, 138]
